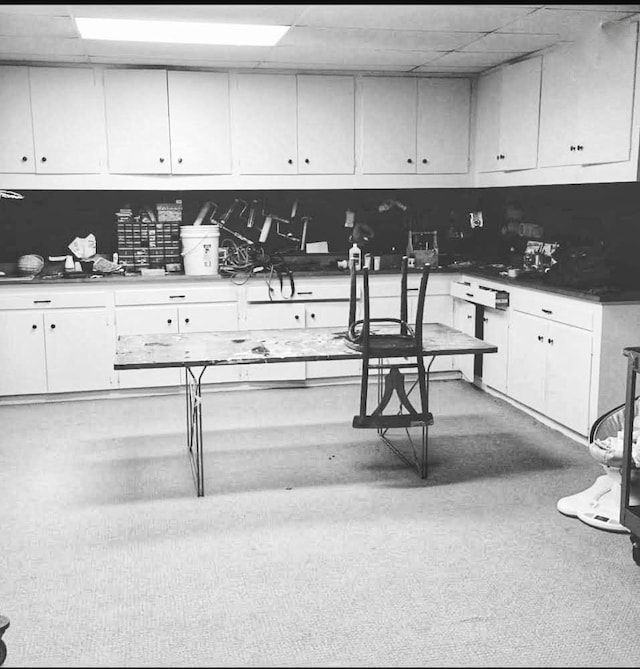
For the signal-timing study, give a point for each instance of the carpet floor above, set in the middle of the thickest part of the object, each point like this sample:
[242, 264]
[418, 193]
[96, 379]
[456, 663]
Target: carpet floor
[315, 545]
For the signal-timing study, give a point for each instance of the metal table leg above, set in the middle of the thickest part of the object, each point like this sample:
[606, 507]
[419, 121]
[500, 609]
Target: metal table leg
[193, 393]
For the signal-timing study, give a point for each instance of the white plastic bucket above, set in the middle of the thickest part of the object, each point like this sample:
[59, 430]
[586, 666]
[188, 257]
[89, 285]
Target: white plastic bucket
[200, 249]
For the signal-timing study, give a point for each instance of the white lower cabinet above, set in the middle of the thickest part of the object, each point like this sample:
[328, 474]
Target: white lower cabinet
[494, 365]
[464, 319]
[55, 351]
[549, 368]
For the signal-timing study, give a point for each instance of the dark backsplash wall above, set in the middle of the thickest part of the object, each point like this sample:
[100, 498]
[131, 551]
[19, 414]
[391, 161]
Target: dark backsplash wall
[44, 222]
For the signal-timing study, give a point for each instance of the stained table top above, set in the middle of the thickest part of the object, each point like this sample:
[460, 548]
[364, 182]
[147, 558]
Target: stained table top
[196, 349]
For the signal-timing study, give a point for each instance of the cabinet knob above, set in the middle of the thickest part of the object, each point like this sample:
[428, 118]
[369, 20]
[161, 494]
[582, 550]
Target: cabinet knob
[313, 315]
[24, 159]
[485, 320]
[306, 160]
[53, 326]
[469, 316]
[540, 338]
[572, 148]
[497, 156]
[580, 147]
[297, 317]
[409, 160]
[186, 320]
[43, 159]
[550, 341]
[169, 321]
[34, 327]
[162, 160]
[290, 161]
[424, 161]
[502, 156]
[179, 160]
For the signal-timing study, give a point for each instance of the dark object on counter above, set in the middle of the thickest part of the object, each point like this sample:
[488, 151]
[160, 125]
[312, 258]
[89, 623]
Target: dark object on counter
[580, 267]
[401, 341]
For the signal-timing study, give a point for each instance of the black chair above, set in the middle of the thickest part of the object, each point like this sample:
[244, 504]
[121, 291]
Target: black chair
[382, 341]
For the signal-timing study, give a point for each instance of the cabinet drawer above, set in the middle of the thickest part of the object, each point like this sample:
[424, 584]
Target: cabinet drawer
[304, 291]
[52, 299]
[176, 295]
[479, 294]
[554, 308]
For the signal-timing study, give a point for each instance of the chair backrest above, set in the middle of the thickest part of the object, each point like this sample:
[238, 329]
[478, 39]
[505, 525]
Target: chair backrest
[403, 320]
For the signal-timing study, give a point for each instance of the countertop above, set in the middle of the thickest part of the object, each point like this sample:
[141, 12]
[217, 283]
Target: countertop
[492, 273]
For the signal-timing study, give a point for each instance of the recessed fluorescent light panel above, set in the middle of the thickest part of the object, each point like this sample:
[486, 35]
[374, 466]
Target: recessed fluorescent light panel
[180, 32]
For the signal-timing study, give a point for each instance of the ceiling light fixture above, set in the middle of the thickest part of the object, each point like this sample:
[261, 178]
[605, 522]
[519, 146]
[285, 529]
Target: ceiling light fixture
[180, 32]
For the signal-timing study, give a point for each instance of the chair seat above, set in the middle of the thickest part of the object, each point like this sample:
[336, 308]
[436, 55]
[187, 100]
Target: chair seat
[393, 421]
[382, 345]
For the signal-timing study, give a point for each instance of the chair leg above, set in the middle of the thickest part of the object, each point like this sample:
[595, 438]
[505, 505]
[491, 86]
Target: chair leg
[364, 387]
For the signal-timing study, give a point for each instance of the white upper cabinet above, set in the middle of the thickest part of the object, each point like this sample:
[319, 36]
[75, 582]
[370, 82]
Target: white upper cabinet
[67, 123]
[326, 122]
[443, 126]
[389, 117]
[199, 122]
[587, 99]
[415, 126]
[16, 129]
[507, 117]
[137, 111]
[265, 119]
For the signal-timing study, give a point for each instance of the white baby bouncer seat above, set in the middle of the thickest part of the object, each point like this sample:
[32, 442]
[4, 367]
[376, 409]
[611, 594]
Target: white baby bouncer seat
[599, 504]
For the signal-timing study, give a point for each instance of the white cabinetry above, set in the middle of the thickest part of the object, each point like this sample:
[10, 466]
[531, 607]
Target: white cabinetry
[200, 124]
[16, 128]
[550, 356]
[414, 126]
[58, 342]
[587, 99]
[290, 124]
[175, 310]
[50, 121]
[496, 331]
[507, 117]
[464, 319]
[161, 122]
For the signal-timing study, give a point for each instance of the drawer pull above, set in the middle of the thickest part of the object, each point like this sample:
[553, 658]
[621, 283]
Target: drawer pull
[550, 341]
[307, 292]
[175, 297]
[469, 294]
[540, 338]
[547, 311]
[42, 301]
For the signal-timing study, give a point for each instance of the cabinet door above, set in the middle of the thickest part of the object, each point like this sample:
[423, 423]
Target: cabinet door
[443, 126]
[211, 318]
[519, 115]
[568, 376]
[325, 124]
[147, 320]
[67, 120]
[22, 354]
[606, 96]
[464, 319]
[487, 135]
[265, 120]
[199, 122]
[559, 107]
[137, 114]
[527, 356]
[79, 348]
[275, 317]
[16, 129]
[494, 365]
[330, 314]
[389, 116]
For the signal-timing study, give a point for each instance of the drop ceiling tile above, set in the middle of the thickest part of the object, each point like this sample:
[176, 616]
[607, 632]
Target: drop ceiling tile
[451, 70]
[44, 10]
[522, 43]
[411, 40]
[473, 59]
[292, 54]
[568, 24]
[471, 18]
[270, 14]
[38, 46]
[28, 25]
[186, 62]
